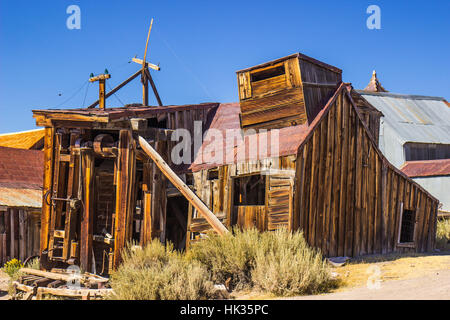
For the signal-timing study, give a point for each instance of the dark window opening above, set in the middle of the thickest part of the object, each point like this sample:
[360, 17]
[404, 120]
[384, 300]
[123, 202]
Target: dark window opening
[250, 190]
[176, 223]
[268, 73]
[426, 151]
[407, 226]
[213, 174]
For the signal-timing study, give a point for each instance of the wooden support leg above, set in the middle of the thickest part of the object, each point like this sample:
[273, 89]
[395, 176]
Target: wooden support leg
[71, 211]
[22, 235]
[146, 227]
[87, 160]
[124, 193]
[12, 214]
[47, 186]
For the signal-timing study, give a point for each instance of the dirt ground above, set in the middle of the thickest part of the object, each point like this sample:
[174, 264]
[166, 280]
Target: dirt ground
[4, 279]
[435, 286]
[389, 277]
[393, 278]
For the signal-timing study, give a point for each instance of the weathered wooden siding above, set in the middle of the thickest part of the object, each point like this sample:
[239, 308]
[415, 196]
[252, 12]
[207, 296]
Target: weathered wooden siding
[285, 92]
[19, 234]
[319, 83]
[348, 198]
[217, 194]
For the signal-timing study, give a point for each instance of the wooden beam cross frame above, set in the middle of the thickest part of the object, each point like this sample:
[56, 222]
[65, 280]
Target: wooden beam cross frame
[145, 73]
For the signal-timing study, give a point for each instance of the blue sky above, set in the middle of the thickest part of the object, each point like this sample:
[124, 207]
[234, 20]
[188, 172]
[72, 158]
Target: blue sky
[200, 45]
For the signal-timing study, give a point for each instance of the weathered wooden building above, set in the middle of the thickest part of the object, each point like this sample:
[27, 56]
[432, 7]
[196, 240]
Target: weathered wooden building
[20, 203]
[293, 153]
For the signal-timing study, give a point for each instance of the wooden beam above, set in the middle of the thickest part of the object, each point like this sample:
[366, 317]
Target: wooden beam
[183, 188]
[72, 193]
[147, 64]
[124, 182]
[149, 77]
[100, 77]
[146, 43]
[47, 187]
[87, 163]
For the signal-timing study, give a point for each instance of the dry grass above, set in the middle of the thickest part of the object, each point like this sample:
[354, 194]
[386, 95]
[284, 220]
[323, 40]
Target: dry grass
[443, 234]
[285, 265]
[280, 262]
[156, 272]
[228, 257]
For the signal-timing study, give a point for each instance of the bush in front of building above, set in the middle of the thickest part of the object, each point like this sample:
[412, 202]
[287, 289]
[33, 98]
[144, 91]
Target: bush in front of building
[443, 234]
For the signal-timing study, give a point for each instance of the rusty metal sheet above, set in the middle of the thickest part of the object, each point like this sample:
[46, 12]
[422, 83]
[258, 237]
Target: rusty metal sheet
[16, 197]
[427, 168]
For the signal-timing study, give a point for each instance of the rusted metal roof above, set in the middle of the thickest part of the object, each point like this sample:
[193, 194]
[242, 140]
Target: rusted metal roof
[21, 168]
[427, 168]
[285, 141]
[22, 140]
[19, 197]
[414, 118]
[236, 148]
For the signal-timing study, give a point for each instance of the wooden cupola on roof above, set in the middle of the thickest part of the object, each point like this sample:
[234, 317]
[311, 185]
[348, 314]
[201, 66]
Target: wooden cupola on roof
[374, 84]
[285, 92]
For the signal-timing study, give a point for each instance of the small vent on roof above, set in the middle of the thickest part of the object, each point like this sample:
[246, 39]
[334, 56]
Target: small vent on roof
[374, 84]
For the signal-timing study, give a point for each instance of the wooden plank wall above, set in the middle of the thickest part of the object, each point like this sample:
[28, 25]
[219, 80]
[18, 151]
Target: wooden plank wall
[316, 89]
[19, 234]
[217, 194]
[275, 101]
[349, 197]
[47, 186]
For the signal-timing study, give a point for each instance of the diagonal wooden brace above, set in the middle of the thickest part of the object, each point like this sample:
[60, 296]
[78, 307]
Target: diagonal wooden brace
[183, 188]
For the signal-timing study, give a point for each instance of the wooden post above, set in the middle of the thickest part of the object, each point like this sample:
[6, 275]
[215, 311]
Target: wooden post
[12, 234]
[47, 187]
[72, 186]
[144, 88]
[183, 188]
[146, 227]
[101, 94]
[101, 88]
[2, 235]
[22, 235]
[2, 259]
[124, 200]
[7, 240]
[87, 162]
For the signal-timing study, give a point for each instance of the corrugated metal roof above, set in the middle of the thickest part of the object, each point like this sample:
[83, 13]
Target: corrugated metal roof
[427, 168]
[17, 197]
[414, 118]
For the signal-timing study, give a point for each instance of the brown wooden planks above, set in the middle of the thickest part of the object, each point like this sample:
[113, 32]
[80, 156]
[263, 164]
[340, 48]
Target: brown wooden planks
[87, 167]
[122, 219]
[47, 186]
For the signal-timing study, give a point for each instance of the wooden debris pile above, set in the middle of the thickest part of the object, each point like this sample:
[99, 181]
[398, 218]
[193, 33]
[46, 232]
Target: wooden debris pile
[36, 285]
